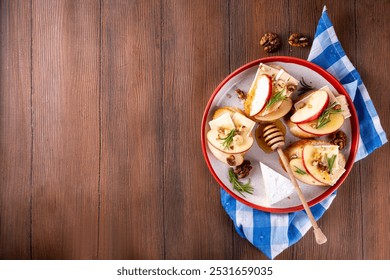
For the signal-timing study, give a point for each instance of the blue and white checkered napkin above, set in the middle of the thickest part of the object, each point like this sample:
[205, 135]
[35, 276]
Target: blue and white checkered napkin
[272, 233]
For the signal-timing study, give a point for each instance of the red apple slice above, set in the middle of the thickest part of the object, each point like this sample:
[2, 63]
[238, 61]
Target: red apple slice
[279, 113]
[320, 175]
[301, 174]
[312, 109]
[258, 95]
[296, 131]
[335, 122]
[313, 157]
[236, 147]
[231, 160]
[269, 110]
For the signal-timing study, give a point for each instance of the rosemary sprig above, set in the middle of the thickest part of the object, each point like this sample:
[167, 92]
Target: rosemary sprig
[305, 87]
[324, 118]
[304, 84]
[228, 140]
[276, 98]
[299, 171]
[331, 161]
[238, 186]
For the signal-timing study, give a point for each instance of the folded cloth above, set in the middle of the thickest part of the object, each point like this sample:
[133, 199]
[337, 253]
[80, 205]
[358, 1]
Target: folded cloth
[272, 233]
[328, 53]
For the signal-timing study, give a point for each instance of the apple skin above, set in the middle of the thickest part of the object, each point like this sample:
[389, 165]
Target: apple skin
[239, 158]
[305, 178]
[296, 131]
[284, 108]
[306, 114]
[320, 175]
[258, 95]
[336, 121]
[266, 111]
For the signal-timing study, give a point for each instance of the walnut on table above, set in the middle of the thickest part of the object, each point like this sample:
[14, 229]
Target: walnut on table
[298, 40]
[270, 41]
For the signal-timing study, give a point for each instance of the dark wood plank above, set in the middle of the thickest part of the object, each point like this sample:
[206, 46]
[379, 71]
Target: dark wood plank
[65, 104]
[15, 130]
[302, 17]
[373, 44]
[100, 110]
[131, 220]
[195, 48]
[346, 210]
[249, 20]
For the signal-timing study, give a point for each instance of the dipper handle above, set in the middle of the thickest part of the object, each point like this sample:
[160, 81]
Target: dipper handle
[274, 138]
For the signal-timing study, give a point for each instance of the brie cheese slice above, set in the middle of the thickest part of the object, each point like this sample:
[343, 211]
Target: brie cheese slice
[277, 74]
[326, 152]
[339, 99]
[242, 123]
[222, 122]
[344, 106]
[277, 187]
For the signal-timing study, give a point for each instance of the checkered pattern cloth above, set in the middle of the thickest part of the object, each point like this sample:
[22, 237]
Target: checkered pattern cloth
[272, 233]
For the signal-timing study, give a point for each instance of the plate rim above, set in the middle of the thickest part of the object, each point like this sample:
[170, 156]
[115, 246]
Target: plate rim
[334, 82]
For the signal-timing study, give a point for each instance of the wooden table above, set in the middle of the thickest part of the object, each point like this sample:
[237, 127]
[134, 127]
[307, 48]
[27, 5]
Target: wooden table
[100, 111]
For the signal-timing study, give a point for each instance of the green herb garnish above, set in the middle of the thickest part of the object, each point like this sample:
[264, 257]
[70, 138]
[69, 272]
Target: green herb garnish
[299, 171]
[304, 84]
[324, 118]
[305, 87]
[238, 186]
[331, 161]
[228, 140]
[276, 98]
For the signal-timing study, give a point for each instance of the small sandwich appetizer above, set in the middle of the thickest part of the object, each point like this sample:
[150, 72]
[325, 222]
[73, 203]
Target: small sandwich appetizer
[316, 162]
[318, 113]
[269, 97]
[230, 135]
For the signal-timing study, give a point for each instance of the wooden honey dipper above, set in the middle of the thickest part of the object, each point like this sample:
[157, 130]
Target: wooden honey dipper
[274, 138]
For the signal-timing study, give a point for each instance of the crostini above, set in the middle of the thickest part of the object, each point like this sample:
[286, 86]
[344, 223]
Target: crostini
[269, 97]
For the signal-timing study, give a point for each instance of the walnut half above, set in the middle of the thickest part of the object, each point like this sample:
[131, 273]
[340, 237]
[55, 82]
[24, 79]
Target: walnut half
[231, 160]
[298, 40]
[339, 138]
[243, 170]
[270, 41]
[241, 95]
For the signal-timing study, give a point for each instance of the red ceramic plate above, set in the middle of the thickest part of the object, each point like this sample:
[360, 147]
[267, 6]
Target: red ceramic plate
[224, 95]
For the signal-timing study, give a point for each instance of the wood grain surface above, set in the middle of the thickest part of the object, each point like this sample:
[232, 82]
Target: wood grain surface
[101, 104]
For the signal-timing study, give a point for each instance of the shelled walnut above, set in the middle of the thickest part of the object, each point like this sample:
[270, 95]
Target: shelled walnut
[231, 160]
[339, 138]
[291, 88]
[241, 95]
[243, 170]
[270, 41]
[298, 40]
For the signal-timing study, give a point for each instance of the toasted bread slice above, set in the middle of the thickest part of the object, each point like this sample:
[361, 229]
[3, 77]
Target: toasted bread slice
[294, 155]
[227, 109]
